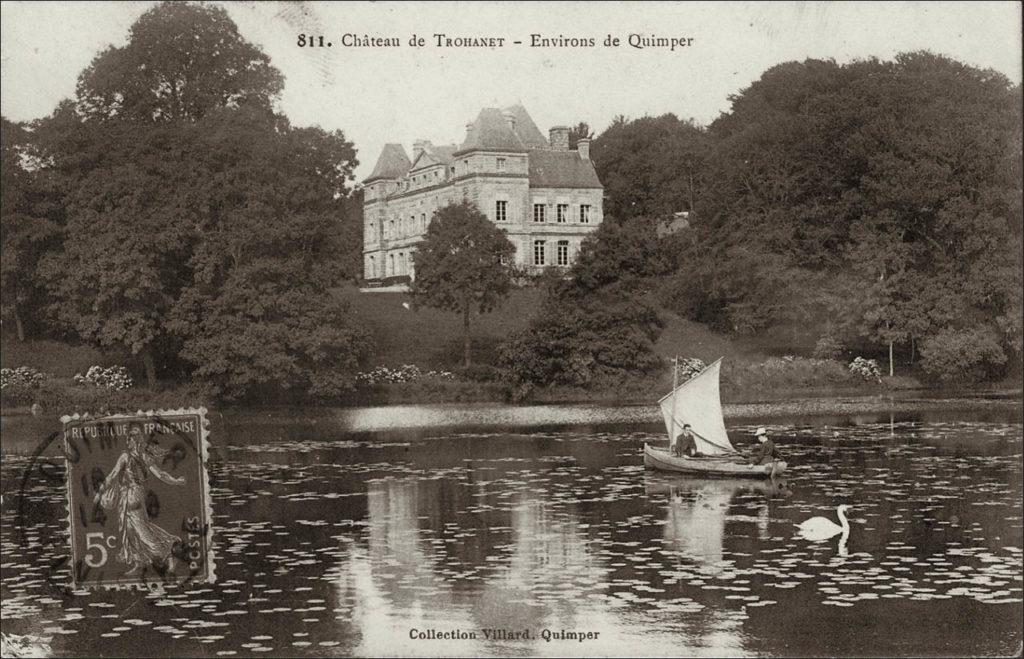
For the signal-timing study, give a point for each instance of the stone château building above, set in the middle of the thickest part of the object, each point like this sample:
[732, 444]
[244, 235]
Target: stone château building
[546, 196]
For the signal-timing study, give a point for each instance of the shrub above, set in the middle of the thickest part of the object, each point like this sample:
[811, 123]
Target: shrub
[689, 367]
[963, 356]
[23, 377]
[828, 347]
[865, 368]
[404, 373]
[110, 377]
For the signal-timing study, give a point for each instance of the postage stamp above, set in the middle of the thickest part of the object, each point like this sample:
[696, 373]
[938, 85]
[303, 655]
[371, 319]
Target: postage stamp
[138, 499]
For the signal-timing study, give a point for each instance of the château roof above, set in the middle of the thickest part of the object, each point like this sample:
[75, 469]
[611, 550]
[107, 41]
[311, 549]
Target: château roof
[491, 132]
[561, 169]
[435, 155]
[393, 163]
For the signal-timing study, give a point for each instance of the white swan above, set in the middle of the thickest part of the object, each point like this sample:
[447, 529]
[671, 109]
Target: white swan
[822, 528]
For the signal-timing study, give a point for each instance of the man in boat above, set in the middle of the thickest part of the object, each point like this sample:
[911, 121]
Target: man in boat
[685, 443]
[766, 452]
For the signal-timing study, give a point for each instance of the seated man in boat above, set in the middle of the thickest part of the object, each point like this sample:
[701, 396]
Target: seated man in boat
[685, 443]
[766, 452]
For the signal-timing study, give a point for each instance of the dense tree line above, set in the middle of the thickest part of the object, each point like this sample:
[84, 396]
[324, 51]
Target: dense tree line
[168, 211]
[873, 203]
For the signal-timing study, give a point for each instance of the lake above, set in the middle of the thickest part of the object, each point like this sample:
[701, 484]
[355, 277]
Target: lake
[490, 532]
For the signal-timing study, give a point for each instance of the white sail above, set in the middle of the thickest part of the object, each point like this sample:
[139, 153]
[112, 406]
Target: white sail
[697, 402]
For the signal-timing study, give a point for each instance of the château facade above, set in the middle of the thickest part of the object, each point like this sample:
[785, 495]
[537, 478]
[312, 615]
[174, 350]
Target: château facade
[545, 196]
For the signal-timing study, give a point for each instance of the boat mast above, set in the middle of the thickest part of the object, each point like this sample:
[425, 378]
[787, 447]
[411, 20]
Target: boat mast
[675, 383]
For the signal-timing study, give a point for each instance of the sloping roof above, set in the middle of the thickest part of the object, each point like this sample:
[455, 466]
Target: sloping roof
[434, 155]
[490, 132]
[392, 163]
[561, 169]
[527, 131]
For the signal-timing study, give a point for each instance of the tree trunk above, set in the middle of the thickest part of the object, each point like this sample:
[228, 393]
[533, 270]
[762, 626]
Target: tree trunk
[147, 361]
[890, 358]
[20, 325]
[911, 351]
[465, 336]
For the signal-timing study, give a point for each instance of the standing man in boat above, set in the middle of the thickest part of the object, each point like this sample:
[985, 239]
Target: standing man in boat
[685, 443]
[766, 452]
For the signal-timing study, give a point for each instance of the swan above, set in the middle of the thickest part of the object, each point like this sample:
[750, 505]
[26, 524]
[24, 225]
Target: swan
[822, 528]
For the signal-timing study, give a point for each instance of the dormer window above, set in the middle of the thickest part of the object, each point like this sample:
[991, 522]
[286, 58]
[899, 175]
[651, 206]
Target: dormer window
[501, 164]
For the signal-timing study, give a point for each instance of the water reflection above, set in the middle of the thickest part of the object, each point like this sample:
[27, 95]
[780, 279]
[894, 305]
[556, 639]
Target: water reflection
[340, 544]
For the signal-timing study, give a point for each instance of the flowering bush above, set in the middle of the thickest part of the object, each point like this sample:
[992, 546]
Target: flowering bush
[403, 373]
[690, 367]
[111, 377]
[866, 368]
[23, 376]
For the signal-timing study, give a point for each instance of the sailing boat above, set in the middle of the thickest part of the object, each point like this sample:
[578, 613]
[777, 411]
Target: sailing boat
[698, 403]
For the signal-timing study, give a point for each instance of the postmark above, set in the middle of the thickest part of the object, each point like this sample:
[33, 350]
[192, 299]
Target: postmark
[138, 499]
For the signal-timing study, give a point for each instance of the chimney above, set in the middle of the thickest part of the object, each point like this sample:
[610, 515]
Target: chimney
[583, 148]
[559, 138]
[469, 131]
[510, 119]
[418, 147]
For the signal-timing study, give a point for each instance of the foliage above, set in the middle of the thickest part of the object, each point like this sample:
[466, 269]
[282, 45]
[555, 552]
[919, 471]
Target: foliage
[879, 199]
[202, 228]
[578, 132]
[403, 373]
[462, 265]
[689, 367]
[30, 220]
[828, 347]
[965, 356]
[652, 166]
[592, 325]
[779, 374]
[181, 62]
[111, 377]
[865, 368]
[24, 377]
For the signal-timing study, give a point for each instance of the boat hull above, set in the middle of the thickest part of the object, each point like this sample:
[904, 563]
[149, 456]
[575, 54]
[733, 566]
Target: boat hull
[662, 460]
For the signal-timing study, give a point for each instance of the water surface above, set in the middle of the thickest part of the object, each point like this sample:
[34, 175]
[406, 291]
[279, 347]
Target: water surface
[335, 542]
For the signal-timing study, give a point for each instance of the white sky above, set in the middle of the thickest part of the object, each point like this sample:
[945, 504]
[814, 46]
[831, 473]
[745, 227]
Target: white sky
[378, 95]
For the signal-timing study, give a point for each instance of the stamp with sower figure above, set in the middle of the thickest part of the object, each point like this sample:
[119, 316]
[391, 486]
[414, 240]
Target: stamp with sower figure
[138, 499]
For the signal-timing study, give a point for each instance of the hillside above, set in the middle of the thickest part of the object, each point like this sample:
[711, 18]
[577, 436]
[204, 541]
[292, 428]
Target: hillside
[428, 337]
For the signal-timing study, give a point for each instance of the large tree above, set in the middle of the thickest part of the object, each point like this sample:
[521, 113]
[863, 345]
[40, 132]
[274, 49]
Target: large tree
[182, 60]
[650, 167]
[30, 218]
[877, 199]
[202, 227]
[462, 265]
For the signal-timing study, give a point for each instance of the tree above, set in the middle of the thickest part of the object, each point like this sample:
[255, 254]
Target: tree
[879, 200]
[579, 132]
[196, 215]
[594, 324]
[651, 166]
[181, 61]
[30, 217]
[462, 265]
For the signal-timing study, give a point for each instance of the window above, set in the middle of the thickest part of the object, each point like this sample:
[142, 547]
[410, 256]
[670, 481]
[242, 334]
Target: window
[538, 212]
[563, 213]
[501, 164]
[538, 252]
[563, 252]
[391, 229]
[391, 264]
[500, 210]
[372, 268]
[372, 227]
[423, 222]
[585, 213]
[401, 263]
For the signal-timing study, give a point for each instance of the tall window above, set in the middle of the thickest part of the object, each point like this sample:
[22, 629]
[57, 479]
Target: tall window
[563, 252]
[538, 252]
[501, 164]
[585, 213]
[372, 274]
[401, 263]
[423, 222]
[373, 235]
[391, 230]
[538, 212]
[563, 213]
[391, 265]
[500, 210]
